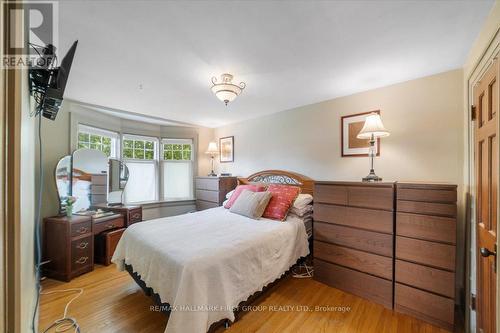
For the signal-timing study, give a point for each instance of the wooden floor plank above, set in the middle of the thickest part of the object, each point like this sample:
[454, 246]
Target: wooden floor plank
[112, 302]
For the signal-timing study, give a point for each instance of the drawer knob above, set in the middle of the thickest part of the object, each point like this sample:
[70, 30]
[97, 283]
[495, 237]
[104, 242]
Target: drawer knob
[82, 230]
[82, 245]
[109, 226]
[82, 260]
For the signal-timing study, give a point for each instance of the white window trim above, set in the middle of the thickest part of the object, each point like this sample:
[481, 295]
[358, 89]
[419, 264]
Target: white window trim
[164, 141]
[82, 128]
[154, 161]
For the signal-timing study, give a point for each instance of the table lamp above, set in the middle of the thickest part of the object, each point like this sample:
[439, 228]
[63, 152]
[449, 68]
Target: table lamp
[212, 151]
[372, 129]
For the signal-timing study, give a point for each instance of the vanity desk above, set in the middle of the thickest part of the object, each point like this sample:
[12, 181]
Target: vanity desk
[69, 247]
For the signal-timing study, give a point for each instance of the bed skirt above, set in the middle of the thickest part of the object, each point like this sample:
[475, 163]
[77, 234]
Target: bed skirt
[164, 307]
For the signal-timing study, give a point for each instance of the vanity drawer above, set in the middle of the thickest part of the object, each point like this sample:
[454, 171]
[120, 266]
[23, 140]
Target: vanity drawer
[81, 258]
[427, 253]
[369, 241]
[108, 224]
[105, 247]
[135, 215]
[79, 229]
[331, 194]
[81, 247]
[358, 260]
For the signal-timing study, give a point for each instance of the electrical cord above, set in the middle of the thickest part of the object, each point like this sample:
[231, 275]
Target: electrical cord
[304, 275]
[65, 323]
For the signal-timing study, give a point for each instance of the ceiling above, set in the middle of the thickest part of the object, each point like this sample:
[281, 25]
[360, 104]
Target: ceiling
[156, 58]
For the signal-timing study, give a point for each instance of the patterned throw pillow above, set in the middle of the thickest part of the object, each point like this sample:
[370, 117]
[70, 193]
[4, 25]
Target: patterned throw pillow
[282, 200]
[239, 189]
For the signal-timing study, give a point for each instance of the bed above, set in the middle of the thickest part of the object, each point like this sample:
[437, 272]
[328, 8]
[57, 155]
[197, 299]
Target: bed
[204, 264]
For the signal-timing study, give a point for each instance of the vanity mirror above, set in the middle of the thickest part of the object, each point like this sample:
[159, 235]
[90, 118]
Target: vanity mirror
[90, 177]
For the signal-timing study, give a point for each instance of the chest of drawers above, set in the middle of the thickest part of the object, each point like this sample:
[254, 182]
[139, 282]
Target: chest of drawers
[211, 191]
[353, 238]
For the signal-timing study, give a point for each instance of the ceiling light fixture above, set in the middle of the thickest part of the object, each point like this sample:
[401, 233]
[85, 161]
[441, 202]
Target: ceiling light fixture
[225, 90]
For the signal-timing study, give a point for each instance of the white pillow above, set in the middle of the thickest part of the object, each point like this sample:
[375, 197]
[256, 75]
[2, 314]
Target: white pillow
[302, 201]
[229, 194]
[224, 203]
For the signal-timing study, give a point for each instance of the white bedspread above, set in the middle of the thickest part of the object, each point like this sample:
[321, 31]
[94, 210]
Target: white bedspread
[205, 263]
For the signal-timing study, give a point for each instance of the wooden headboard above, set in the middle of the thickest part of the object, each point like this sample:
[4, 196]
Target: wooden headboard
[280, 177]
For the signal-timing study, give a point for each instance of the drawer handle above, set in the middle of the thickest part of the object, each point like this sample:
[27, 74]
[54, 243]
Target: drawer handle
[109, 226]
[82, 230]
[136, 216]
[82, 260]
[82, 245]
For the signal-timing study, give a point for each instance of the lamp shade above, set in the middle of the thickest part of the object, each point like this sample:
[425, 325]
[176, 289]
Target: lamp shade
[373, 126]
[212, 149]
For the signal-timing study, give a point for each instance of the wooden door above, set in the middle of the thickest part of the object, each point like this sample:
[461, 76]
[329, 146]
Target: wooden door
[486, 159]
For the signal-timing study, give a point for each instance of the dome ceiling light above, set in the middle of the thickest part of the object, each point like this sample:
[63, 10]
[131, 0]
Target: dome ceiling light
[225, 90]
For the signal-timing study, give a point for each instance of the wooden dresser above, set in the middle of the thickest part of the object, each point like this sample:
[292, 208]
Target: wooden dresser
[211, 191]
[353, 238]
[425, 252]
[68, 243]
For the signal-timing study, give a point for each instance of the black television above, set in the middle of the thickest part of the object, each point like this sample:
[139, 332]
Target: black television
[47, 83]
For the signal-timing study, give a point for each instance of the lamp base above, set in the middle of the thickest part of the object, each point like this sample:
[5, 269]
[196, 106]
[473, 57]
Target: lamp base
[372, 177]
[212, 174]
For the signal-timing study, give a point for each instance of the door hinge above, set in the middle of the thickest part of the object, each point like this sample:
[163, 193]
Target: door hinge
[473, 112]
[473, 302]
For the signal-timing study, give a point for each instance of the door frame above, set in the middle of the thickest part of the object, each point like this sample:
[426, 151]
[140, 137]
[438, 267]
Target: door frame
[492, 51]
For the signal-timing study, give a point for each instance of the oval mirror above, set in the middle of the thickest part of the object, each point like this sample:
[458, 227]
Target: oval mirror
[118, 177]
[63, 181]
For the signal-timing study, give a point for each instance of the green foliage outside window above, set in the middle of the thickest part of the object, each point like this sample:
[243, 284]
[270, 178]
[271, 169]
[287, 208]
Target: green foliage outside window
[94, 141]
[177, 152]
[138, 149]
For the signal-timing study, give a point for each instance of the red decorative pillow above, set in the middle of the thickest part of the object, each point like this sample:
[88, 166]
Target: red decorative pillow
[239, 189]
[281, 201]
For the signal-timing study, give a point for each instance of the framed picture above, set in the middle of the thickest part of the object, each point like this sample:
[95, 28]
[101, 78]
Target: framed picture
[226, 146]
[350, 126]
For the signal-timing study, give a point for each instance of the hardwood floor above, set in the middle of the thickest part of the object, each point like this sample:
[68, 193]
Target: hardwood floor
[112, 302]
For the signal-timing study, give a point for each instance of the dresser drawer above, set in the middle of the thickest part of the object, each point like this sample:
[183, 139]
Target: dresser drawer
[106, 243]
[135, 215]
[427, 195]
[358, 260]
[368, 219]
[332, 194]
[426, 253]
[436, 309]
[211, 184]
[100, 226]
[364, 285]
[82, 260]
[205, 195]
[427, 208]
[202, 205]
[354, 238]
[433, 228]
[82, 246]
[427, 278]
[371, 197]
[79, 229]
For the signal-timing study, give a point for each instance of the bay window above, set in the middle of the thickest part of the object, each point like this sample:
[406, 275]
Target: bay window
[95, 138]
[177, 169]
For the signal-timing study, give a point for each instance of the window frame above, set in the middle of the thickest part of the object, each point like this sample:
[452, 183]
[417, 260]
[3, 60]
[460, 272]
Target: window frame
[162, 161]
[92, 130]
[154, 161]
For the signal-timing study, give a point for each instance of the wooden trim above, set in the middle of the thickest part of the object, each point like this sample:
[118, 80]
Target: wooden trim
[305, 183]
[342, 135]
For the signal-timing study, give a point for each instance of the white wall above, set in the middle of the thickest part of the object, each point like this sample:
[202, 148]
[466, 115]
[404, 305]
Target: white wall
[424, 117]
